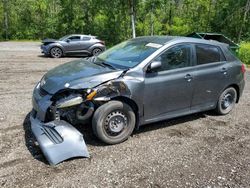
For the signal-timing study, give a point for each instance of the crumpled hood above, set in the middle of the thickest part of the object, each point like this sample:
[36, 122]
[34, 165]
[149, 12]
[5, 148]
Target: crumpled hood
[48, 41]
[76, 75]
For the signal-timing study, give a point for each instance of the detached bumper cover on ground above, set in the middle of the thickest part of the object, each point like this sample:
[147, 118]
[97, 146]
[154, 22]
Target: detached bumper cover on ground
[58, 140]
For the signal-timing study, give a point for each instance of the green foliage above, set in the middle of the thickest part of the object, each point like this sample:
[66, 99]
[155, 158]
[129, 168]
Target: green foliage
[244, 52]
[179, 27]
[110, 20]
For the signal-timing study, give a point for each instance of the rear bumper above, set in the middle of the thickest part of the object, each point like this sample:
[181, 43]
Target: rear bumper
[58, 140]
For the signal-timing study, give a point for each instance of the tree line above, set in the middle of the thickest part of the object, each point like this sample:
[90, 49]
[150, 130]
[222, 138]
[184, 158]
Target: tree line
[116, 20]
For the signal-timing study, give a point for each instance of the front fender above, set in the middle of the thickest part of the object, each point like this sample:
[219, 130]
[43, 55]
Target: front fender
[56, 45]
[97, 45]
[111, 89]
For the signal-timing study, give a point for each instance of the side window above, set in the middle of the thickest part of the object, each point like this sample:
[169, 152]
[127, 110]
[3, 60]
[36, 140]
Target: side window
[208, 54]
[74, 38]
[175, 57]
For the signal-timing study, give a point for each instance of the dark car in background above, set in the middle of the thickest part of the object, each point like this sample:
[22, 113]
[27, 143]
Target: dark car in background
[74, 44]
[137, 82]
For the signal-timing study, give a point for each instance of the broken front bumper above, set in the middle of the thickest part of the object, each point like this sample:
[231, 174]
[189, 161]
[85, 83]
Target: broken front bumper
[44, 50]
[58, 140]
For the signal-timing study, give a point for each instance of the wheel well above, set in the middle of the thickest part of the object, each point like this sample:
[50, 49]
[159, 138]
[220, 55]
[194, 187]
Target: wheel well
[132, 104]
[96, 48]
[236, 87]
[56, 47]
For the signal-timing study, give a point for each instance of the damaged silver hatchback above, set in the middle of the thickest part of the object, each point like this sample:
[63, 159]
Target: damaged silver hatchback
[136, 82]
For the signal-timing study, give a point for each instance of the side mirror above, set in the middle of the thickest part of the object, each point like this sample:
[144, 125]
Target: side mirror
[154, 66]
[68, 40]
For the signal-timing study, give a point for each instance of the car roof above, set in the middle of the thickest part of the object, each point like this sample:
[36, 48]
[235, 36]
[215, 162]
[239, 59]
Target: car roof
[200, 41]
[154, 39]
[82, 35]
[166, 39]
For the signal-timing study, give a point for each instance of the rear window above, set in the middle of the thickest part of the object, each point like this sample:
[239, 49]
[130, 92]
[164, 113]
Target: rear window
[231, 55]
[86, 38]
[208, 54]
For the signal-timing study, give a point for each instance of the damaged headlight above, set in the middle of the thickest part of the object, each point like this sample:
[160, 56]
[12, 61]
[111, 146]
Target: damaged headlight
[91, 94]
[104, 90]
[73, 100]
[69, 101]
[74, 107]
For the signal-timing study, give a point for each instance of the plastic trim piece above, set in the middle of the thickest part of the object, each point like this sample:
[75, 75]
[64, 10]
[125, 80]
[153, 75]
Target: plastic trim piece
[58, 140]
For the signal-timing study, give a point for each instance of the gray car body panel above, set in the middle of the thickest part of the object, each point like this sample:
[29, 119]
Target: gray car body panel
[156, 96]
[73, 47]
[232, 77]
[58, 140]
[78, 74]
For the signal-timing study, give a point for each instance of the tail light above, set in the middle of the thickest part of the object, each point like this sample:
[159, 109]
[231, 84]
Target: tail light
[243, 70]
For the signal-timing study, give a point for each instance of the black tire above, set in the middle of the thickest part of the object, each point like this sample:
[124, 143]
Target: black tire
[113, 122]
[56, 52]
[226, 101]
[96, 51]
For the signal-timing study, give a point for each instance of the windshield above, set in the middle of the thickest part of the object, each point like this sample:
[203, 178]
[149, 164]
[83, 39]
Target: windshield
[128, 54]
[63, 38]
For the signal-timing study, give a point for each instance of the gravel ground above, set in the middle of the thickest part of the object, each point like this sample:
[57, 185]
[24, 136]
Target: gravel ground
[200, 150]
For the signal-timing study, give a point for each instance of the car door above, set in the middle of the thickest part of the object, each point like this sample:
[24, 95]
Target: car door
[85, 43]
[212, 72]
[72, 43]
[169, 90]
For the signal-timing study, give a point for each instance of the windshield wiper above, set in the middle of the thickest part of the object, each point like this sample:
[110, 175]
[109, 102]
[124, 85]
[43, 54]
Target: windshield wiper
[99, 63]
[103, 64]
[108, 65]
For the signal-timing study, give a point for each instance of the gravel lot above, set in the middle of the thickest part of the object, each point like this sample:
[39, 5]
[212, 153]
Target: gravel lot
[200, 150]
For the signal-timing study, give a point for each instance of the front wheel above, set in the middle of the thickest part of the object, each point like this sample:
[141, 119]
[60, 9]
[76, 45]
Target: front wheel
[56, 52]
[113, 122]
[226, 101]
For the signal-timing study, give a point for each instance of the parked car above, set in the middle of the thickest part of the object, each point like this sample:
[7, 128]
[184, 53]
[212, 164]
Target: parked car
[137, 82]
[73, 45]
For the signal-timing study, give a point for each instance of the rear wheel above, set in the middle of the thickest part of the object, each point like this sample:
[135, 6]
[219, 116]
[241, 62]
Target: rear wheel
[56, 52]
[96, 51]
[226, 101]
[113, 122]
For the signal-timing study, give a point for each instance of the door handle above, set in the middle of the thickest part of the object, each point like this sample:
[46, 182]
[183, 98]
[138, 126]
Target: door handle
[223, 70]
[188, 77]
